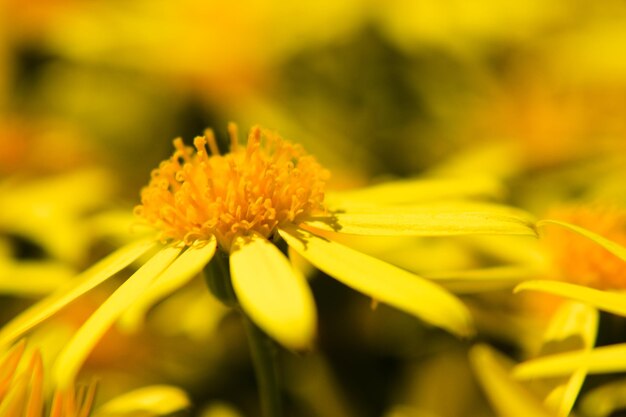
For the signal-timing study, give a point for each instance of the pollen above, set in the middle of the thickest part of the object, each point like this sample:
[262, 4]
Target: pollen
[581, 261]
[199, 193]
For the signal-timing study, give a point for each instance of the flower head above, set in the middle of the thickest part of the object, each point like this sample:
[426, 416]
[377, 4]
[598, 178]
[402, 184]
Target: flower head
[253, 189]
[22, 389]
[23, 393]
[581, 261]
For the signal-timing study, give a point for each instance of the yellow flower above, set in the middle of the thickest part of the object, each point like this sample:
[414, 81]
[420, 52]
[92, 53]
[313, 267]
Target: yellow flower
[193, 33]
[589, 265]
[23, 393]
[586, 260]
[549, 385]
[51, 211]
[581, 261]
[243, 201]
[51, 215]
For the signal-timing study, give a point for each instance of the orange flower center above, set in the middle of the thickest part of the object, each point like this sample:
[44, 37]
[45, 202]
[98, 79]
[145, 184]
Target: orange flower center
[580, 260]
[270, 182]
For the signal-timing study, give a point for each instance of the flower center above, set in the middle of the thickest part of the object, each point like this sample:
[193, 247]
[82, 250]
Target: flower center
[581, 261]
[195, 195]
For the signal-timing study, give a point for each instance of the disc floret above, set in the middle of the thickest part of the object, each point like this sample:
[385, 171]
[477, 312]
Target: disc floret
[199, 193]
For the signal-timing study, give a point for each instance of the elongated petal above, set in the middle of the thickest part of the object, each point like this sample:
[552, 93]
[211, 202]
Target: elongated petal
[34, 407]
[155, 400]
[273, 294]
[9, 365]
[573, 326]
[506, 395]
[603, 300]
[15, 401]
[613, 247]
[382, 281]
[27, 197]
[89, 279]
[418, 190]
[432, 219]
[181, 271]
[485, 279]
[73, 355]
[606, 359]
[604, 400]
[33, 278]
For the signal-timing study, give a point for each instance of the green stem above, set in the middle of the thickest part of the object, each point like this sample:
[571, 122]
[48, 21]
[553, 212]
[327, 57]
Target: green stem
[263, 350]
[264, 358]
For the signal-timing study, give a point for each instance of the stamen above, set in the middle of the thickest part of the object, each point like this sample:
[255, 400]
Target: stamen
[247, 190]
[233, 132]
[210, 136]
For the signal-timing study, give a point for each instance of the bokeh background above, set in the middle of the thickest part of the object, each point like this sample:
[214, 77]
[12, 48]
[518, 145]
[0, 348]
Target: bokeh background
[529, 93]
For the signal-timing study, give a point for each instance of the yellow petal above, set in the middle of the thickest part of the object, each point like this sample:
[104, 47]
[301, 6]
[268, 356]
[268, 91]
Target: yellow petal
[89, 279]
[485, 279]
[603, 300]
[181, 271]
[604, 400]
[34, 407]
[615, 248]
[62, 193]
[10, 362]
[506, 395]
[606, 359]
[153, 400]
[417, 190]
[272, 293]
[33, 278]
[47, 210]
[432, 219]
[573, 326]
[15, 401]
[382, 281]
[76, 351]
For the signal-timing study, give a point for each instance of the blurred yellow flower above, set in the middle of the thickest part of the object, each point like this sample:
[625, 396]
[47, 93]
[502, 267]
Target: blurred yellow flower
[23, 393]
[220, 49]
[50, 211]
[579, 260]
[586, 247]
[549, 385]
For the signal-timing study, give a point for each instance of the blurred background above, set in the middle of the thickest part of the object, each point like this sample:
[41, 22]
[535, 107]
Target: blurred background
[92, 92]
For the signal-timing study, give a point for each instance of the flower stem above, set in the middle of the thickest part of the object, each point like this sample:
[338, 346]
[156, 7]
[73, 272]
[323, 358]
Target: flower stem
[263, 350]
[264, 358]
